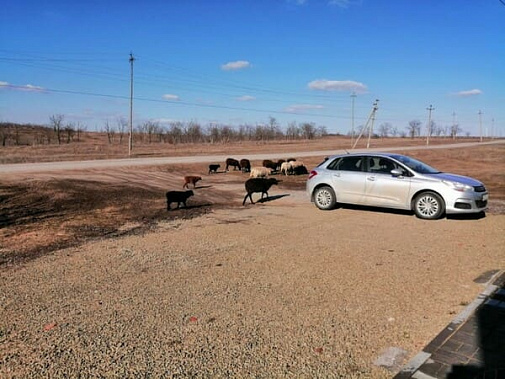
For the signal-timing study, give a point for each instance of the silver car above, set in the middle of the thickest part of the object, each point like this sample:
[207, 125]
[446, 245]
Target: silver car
[394, 181]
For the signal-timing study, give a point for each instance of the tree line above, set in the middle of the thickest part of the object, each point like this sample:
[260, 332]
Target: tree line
[58, 131]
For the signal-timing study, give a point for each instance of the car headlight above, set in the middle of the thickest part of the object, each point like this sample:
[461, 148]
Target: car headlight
[458, 186]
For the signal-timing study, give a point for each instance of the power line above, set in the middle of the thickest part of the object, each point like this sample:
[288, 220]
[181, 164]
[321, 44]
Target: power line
[185, 103]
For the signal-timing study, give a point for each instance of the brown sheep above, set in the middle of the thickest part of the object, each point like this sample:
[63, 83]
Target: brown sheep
[191, 179]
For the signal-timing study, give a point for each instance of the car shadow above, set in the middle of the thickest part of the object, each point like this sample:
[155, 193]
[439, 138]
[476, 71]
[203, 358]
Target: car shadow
[374, 209]
[467, 216]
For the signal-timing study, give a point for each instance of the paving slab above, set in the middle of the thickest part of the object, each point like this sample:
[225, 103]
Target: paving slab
[472, 346]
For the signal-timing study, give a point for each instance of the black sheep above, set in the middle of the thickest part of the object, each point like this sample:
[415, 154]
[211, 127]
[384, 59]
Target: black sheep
[213, 168]
[270, 164]
[245, 165]
[178, 197]
[258, 185]
[300, 170]
[232, 162]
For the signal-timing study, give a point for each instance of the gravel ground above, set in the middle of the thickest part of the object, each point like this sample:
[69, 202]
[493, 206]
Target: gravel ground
[278, 289]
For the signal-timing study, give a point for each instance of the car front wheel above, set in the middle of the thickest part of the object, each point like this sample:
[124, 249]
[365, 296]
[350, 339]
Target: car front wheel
[428, 206]
[325, 198]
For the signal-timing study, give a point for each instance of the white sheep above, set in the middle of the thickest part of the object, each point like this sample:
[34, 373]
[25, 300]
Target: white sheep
[288, 168]
[285, 167]
[260, 172]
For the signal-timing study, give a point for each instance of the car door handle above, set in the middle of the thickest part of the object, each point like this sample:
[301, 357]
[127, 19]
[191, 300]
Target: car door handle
[337, 174]
[371, 178]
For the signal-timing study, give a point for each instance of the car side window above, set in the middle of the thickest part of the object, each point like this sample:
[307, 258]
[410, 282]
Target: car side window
[347, 164]
[381, 165]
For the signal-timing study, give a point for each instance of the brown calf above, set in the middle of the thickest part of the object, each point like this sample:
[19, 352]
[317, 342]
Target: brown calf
[191, 179]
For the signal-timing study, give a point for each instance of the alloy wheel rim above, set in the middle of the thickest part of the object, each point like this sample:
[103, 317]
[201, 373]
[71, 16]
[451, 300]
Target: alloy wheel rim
[323, 198]
[428, 206]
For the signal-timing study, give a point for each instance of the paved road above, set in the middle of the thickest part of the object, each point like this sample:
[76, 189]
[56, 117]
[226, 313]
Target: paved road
[81, 165]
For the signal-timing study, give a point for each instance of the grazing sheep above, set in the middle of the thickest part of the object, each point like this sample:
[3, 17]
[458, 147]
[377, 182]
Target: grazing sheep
[260, 172]
[300, 170]
[258, 185]
[191, 179]
[270, 164]
[178, 197]
[245, 164]
[232, 162]
[213, 168]
[285, 168]
[279, 164]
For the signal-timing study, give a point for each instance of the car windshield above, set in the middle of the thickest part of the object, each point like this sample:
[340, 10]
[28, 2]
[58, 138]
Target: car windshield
[415, 165]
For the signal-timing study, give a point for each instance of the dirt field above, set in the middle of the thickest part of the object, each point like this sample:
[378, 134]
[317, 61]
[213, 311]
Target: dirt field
[98, 278]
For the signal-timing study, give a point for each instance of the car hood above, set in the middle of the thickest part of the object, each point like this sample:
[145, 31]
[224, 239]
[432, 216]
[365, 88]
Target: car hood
[455, 178]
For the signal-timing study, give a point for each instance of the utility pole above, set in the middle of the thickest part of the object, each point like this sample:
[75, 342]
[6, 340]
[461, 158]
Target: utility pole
[371, 117]
[370, 131]
[480, 125]
[430, 108]
[353, 96]
[453, 130]
[130, 141]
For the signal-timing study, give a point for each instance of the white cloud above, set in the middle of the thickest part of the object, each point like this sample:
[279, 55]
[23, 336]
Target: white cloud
[27, 87]
[336, 85]
[237, 65]
[30, 87]
[472, 92]
[303, 107]
[344, 3]
[246, 98]
[171, 97]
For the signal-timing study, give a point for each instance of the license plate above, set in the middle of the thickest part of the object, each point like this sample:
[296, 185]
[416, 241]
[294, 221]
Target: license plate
[484, 197]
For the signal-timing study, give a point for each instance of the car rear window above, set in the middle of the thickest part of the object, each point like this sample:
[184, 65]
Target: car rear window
[346, 164]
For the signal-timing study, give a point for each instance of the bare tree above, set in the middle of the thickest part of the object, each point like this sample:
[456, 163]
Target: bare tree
[79, 129]
[122, 125]
[109, 129]
[455, 130]
[175, 132]
[384, 129]
[292, 131]
[56, 122]
[414, 128]
[5, 133]
[69, 130]
[321, 131]
[194, 132]
[308, 130]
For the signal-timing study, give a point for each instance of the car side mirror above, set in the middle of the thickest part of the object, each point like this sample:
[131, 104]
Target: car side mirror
[396, 172]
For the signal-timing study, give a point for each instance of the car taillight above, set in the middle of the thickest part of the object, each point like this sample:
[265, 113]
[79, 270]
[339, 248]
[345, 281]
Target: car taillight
[312, 174]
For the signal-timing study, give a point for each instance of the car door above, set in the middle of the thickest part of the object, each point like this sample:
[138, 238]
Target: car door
[348, 179]
[383, 189]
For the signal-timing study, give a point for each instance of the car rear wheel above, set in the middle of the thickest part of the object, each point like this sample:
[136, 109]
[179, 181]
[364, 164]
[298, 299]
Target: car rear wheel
[325, 198]
[429, 206]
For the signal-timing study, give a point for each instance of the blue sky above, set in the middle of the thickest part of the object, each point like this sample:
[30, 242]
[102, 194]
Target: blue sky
[238, 62]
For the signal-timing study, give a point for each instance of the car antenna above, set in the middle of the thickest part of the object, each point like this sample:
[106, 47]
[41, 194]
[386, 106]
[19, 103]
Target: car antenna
[346, 151]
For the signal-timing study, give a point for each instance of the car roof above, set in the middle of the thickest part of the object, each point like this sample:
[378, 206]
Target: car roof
[366, 154]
